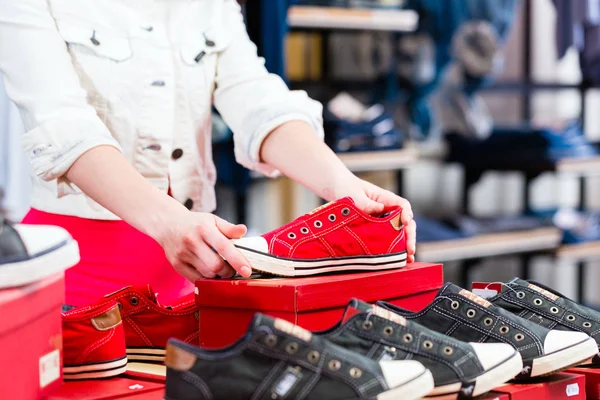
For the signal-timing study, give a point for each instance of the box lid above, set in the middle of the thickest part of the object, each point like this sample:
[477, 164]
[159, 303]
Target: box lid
[22, 304]
[318, 292]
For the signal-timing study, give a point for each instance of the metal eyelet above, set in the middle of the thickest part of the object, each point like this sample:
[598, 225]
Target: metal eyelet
[304, 230]
[134, 301]
[537, 302]
[571, 317]
[313, 356]
[334, 365]
[471, 313]
[554, 310]
[587, 324]
[408, 338]
[488, 321]
[448, 351]
[355, 372]
[504, 329]
[271, 340]
[521, 295]
[454, 305]
[427, 345]
[291, 347]
[119, 305]
[519, 337]
[345, 212]
[318, 224]
[292, 235]
[367, 325]
[388, 330]
[331, 217]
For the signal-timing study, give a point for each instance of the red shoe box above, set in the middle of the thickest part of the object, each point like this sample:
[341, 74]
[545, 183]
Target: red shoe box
[114, 388]
[555, 387]
[227, 306]
[486, 396]
[592, 381]
[31, 339]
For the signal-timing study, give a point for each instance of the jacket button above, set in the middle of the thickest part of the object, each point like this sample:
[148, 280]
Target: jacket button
[177, 153]
[189, 203]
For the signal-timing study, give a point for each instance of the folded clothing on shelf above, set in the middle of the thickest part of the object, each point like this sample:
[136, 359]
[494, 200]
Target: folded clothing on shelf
[351, 126]
[520, 147]
[578, 226]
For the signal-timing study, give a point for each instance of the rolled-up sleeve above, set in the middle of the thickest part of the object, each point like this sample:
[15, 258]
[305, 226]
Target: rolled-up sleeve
[252, 101]
[40, 78]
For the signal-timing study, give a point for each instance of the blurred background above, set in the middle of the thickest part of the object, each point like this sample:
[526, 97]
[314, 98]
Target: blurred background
[483, 113]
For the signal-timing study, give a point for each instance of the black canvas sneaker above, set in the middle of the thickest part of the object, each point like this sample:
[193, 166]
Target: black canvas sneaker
[461, 314]
[29, 253]
[279, 360]
[457, 367]
[545, 306]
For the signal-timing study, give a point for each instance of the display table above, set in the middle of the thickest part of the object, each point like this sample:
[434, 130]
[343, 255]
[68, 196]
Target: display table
[314, 303]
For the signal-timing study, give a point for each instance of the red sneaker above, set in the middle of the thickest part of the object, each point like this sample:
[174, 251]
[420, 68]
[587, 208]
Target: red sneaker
[332, 238]
[93, 342]
[148, 325]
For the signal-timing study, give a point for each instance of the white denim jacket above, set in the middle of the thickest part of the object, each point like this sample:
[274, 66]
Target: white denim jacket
[139, 75]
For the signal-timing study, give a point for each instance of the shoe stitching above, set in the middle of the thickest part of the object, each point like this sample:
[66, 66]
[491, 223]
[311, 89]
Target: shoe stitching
[198, 383]
[267, 381]
[453, 328]
[373, 350]
[324, 242]
[493, 334]
[100, 311]
[310, 385]
[149, 306]
[95, 345]
[191, 337]
[358, 239]
[396, 241]
[323, 233]
[139, 331]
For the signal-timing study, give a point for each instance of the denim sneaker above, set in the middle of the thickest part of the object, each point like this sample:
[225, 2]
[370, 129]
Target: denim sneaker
[29, 253]
[465, 316]
[279, 360]
[457, 367]
[545, 306]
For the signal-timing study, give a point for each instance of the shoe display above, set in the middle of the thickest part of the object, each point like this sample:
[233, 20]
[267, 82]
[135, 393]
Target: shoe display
[29, 253]
[457, 367]
[93, 342]
[545, 306]
[279, 360]
[465, 316]
[335, 237]
[148, 324]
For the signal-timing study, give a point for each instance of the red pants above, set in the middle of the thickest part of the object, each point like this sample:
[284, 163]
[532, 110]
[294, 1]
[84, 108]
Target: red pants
[113, 255]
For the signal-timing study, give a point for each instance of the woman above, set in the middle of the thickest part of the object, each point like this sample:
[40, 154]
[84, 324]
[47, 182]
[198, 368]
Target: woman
[116, 97]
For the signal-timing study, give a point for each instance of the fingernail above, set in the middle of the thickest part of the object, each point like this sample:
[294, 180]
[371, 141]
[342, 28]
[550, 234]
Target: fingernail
[246, 271]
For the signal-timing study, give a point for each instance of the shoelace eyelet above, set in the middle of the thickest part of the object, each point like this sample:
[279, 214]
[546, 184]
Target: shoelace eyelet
[134, 301]
[271, 340]
[504, 329]
[571, 318]
[345, 212]
[519, 337]
[587, 324]
[355, 372]
[408, 338]
[331, 217]
[454, 305]
[554, 310]
[471, 313]
[488, 321]
[291, 347]
[304, 230]
[521, 295]
[448, 351]
[334, 365]
[537, 302]
[292, 235]
[313, 356]
[427, 345]
[318, 224]
[367, 324]
[388, 331]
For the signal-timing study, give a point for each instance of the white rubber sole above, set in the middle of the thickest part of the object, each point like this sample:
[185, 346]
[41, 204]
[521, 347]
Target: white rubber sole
[287, 267]
[95, 371]
[146, 354]
[487, 381]
[411, 390]
[40, 267]
[564, 358]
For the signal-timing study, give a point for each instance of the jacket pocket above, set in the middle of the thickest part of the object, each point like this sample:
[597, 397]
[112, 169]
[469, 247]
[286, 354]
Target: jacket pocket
[102, 42]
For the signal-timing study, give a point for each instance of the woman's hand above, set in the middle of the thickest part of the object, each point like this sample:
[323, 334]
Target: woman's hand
[372, 200]
[189, 244]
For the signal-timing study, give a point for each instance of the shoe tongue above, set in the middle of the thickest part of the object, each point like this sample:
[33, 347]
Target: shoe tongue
[344, 200]
[268, 324]
[356, 306]
[451, 288]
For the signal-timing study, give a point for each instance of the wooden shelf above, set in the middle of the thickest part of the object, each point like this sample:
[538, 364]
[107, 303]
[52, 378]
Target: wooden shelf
[580, 166]
[489, 245]
[579, 252]
[385, 160]
[352, 18]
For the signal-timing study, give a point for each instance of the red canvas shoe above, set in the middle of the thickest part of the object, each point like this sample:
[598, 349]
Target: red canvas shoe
[332, 238]
[148, 324]
[93, 342]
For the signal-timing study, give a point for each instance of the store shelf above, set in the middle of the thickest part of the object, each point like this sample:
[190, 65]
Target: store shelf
[489, 245]
[385, 160]
[585, 166]
[579, 252]
[352, 18]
